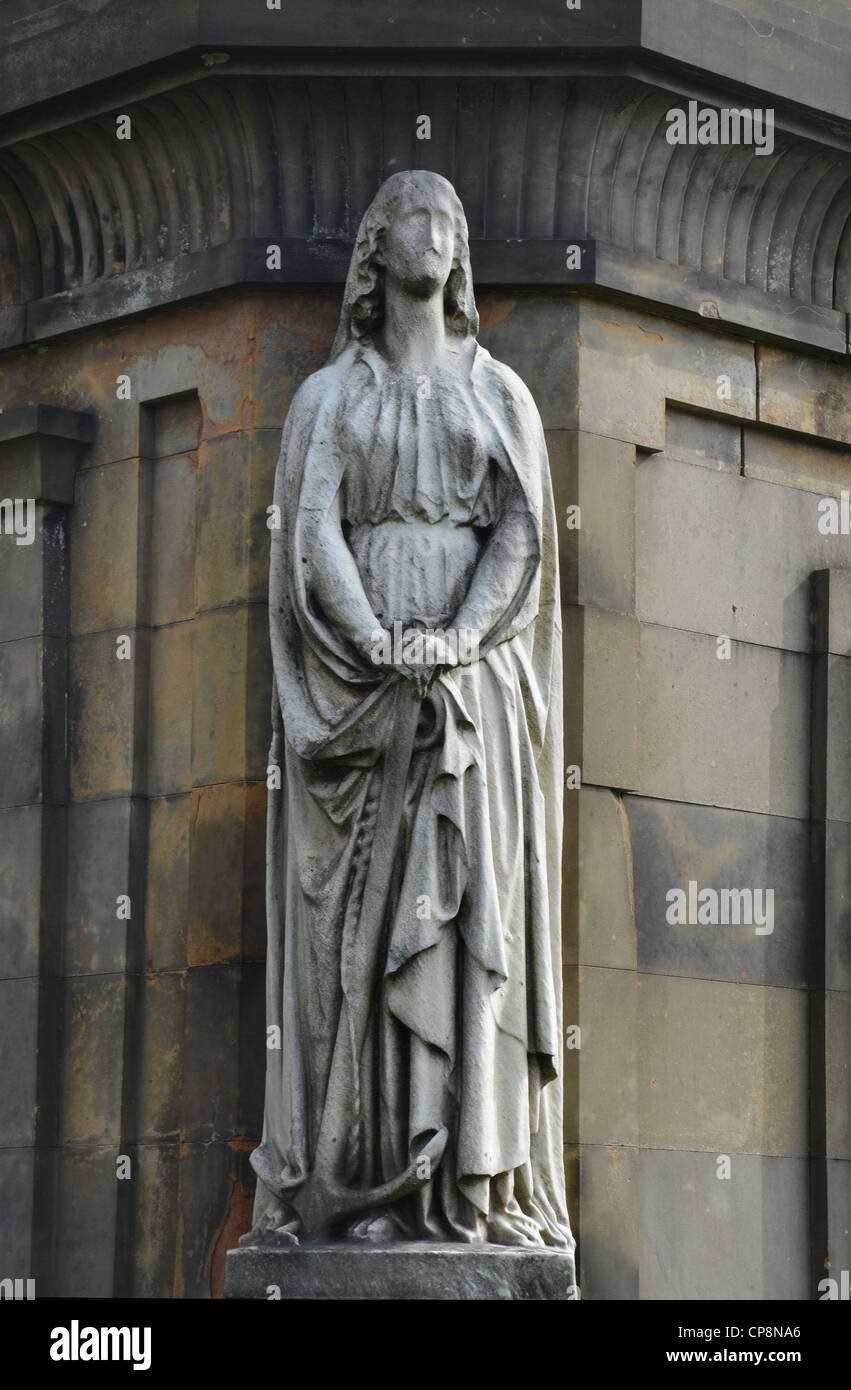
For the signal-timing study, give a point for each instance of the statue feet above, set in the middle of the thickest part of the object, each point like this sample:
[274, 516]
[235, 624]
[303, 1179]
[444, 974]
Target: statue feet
[270, 1235]
[513, 1229]
[377, 1226]
[274, 1229]
[283, 1235]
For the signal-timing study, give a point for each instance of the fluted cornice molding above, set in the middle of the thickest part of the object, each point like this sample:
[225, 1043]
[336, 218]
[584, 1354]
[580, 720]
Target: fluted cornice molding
[92, 226]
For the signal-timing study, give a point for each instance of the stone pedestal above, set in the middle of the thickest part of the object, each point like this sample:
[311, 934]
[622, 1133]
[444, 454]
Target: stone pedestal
[399, 1270]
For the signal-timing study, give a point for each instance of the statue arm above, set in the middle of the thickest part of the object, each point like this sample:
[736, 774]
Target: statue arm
[504, 571]
[335, 584]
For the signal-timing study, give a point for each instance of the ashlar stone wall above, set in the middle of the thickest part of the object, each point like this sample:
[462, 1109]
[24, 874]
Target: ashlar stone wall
[707, 610]
[707, 623]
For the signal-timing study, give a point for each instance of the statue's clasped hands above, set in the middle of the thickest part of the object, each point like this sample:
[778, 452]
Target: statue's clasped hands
[421, 658]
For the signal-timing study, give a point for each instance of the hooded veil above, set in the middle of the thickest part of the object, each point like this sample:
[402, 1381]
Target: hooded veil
[413, 1085]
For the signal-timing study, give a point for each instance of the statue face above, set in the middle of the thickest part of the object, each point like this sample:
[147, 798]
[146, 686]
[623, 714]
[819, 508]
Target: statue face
[418, 245]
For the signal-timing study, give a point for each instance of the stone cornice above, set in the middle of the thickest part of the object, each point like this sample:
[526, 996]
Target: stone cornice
[49, 421]
[40, 448]
[797, 53]
[93, 228]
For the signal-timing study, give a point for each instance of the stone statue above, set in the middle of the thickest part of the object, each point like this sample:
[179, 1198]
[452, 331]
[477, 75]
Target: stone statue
[414, 851]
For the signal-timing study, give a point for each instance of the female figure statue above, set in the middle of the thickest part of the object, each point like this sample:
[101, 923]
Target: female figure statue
[414, 851]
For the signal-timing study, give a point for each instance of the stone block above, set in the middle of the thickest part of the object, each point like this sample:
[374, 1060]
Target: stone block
[54, 676]
[601, 668]
[21, 721]
[157, 1233]
[99, 847]
[570, 878]
[572, 1184]
[290, 337]
[160, 1076]
[171, 369]
[610, 699]
[806, 394]
[838, 741]
[54, 588]
[40, 448]
[607, 1063]
[85, 1238]
[653, 360]
[167, 892]
[572, 1054]
[838, 1053]
[803, 60]
[231, 681]
[254, 874]
[536, 335]
[211, 1053]
[252, 1049]
[93, 1060]
[605, 890]
[19, 1002]
[725, 733]
[171, 425]
[722, 1067]
[705, 1237]
[704, 440]
[21, 867]
[597, 558]
[813, 465]
[674, 844]
[217, 874]
[839, 1214]
[174, 485]
[16, 1214]
[838, 913]
[708, 559]
[265, 450]
[401, 1271]
[215, 1209]
[171, 714]
[224, 521]
[21, 583]
[259, 677]
[609, 1244]
[219, 697]
[117, 435]
[832, 597]
[105, 532]
[102, 710]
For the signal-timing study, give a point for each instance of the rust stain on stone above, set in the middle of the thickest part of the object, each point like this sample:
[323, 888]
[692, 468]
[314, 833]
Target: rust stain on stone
[247, 415]
[236, 1221]
[242, 1143]
[244, 352]
[494, 311]
[635, 328]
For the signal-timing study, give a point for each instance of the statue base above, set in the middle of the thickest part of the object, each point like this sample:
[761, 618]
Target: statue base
[399, 1270]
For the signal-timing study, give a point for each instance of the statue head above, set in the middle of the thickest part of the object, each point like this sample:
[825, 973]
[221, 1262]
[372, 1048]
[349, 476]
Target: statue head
[415, 232]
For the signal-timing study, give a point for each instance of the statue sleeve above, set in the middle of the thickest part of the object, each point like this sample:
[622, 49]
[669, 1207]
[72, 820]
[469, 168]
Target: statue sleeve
[503, 575]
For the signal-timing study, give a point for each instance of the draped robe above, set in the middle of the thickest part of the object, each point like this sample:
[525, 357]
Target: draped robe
[464, 1019]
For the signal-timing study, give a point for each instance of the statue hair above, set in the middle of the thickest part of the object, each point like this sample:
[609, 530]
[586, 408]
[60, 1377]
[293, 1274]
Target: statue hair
[362, 311]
